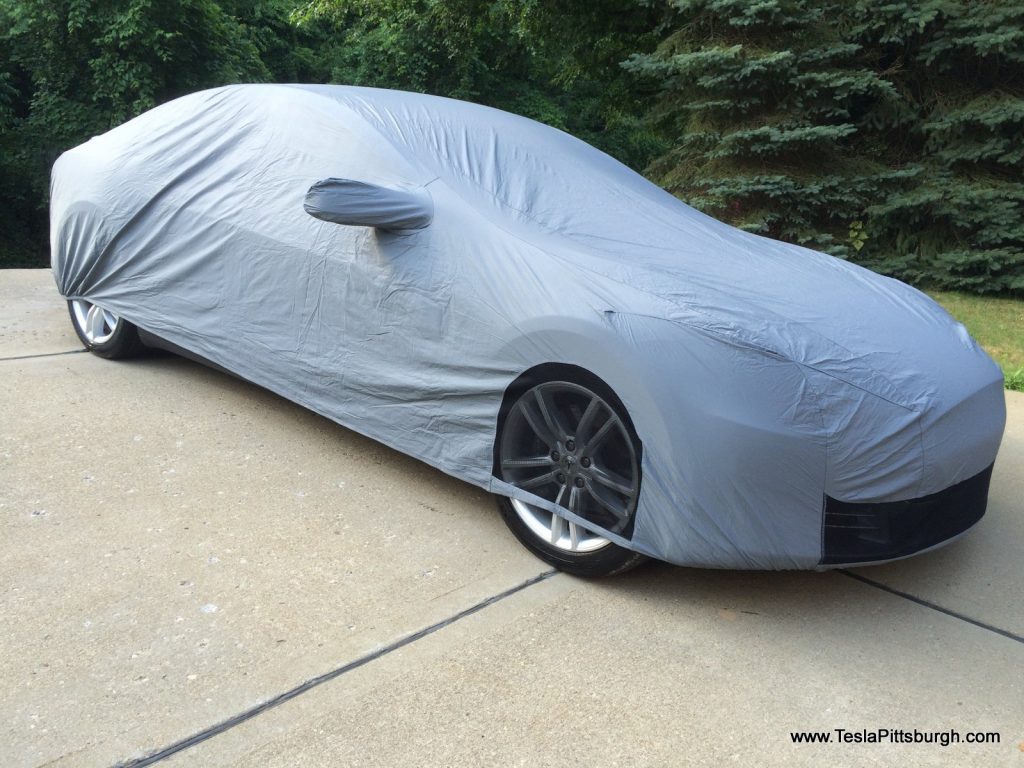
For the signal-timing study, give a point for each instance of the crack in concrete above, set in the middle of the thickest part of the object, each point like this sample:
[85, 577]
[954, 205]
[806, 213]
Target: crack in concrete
[45, 354]
[934, 606]
[281, 698]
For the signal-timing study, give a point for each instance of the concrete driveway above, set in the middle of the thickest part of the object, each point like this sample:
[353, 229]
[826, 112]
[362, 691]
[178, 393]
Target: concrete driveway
[197, 572]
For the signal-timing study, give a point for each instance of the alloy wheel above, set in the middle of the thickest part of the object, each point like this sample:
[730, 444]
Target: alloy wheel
[96, 323]
[566, 444]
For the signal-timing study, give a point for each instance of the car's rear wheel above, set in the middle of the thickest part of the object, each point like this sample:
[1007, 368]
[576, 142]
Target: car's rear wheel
[102, 332]
[573, 445]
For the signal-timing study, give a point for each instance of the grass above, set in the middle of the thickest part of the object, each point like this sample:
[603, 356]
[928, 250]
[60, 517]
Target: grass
[997, 324]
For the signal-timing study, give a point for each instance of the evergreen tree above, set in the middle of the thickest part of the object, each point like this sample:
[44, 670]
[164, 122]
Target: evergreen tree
[766, 105]
[886, 132]
[958, 221]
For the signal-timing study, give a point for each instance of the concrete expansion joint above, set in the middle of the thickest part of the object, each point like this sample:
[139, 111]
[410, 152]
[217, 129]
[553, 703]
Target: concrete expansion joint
[44, 354]
[226, 725]
[933, 606]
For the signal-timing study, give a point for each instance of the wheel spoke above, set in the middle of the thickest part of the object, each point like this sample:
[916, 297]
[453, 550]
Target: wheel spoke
[612, 480]
[558, 524]
[537, 424]
[609, 502]
[588, 416]
[574, 529]
[94, 323]
[533, 482]
[599, 437]
[548, 413]
[574, 536]
[561, 495]
[533, 461]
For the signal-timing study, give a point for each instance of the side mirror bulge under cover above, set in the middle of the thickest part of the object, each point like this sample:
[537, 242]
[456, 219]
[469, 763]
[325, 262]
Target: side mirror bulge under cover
[359, 204]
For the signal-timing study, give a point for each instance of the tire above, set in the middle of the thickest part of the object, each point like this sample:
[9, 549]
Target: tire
[573, 444]
[102, 332]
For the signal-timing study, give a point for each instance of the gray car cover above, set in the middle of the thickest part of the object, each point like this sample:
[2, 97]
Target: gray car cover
[394, 261]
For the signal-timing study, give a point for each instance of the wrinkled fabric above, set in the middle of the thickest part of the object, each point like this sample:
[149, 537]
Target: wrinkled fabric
[759, 376]
[355, 203]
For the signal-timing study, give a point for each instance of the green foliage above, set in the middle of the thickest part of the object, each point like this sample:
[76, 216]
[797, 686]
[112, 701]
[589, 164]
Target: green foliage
[558, 64]
[959, 66]
[887, 132]
[766, 104]
[884, 131]
[70, 69]
[1014, 380]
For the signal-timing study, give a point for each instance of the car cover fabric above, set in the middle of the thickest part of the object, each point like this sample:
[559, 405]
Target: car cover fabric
[761, 377]
[355, 203]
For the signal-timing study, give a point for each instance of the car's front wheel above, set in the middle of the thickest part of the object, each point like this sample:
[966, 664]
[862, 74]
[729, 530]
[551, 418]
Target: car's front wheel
[102, 332]
[573, 445]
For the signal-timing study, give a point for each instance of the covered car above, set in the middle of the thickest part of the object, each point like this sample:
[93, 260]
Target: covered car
[510, 305]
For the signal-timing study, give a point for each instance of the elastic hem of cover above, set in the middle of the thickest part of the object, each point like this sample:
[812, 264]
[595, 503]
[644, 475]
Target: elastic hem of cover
[859, 533]
[503, 488]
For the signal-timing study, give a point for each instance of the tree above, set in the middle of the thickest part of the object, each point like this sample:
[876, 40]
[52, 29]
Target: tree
[554, 62]
[766, 105]
[958, 222]
[75, 68]
[886, 132]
